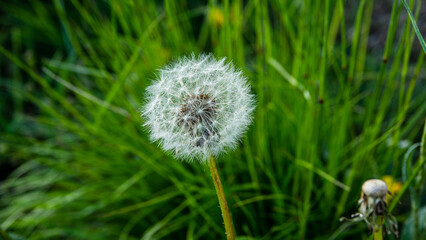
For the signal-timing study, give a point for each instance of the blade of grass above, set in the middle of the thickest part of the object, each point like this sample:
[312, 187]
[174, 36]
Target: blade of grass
[416, 29]
[420, 166]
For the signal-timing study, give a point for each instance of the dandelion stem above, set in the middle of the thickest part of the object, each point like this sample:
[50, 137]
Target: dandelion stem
[229, 228]
[378, 235]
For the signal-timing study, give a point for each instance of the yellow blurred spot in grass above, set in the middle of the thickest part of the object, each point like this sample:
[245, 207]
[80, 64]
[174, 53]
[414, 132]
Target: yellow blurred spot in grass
[393, 186]
[216, 17]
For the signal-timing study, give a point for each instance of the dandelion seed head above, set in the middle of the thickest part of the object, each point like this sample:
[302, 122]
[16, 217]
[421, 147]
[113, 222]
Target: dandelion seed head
[197, 107]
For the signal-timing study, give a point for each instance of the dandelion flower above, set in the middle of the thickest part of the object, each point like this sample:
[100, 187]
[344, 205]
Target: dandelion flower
[198, 107]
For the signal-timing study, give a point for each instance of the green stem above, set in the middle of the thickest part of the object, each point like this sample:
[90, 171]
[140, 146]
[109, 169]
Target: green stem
[378, 235]
[229, 228]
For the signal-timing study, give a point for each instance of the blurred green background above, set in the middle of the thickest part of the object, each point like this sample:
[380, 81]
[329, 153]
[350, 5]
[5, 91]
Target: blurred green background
[340, 89]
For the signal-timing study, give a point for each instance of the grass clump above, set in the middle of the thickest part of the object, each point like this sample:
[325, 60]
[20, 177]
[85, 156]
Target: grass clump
[333, 110]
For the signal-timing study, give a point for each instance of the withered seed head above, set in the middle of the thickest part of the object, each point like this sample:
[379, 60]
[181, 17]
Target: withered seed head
[375, 188]
[372, 205]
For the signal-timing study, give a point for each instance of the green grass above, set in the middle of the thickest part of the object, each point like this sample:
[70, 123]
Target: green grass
[331, 113]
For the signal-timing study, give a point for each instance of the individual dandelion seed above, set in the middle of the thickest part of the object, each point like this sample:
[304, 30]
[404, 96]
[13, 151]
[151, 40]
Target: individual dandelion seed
[373, 209]
[197, 109]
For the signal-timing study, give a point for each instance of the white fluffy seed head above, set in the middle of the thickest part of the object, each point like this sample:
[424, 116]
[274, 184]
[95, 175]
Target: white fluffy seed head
[197, 107]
